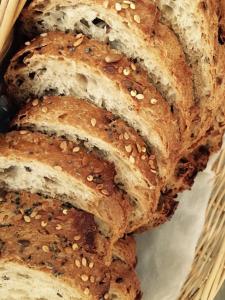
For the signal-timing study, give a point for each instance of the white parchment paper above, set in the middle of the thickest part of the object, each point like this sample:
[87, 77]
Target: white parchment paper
[165, 255]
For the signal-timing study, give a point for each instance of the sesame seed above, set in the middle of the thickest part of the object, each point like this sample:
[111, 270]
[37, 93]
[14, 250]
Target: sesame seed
[44, 224]
[137, 19]
[126, 136]
[23, 132]
[143, 149]
[63, 146]
[133, 67]
[126, 71]
[120, 136]
[91, 265]
[65, 211]
[132, 6]
[92, 279]
[143, 157]
[153, 171]
[132, 159]
[79, 41]
[57, 168]
[113, 58]
[93, 122]
[133, 93]
[153, 101]
[99, 186]
[77, 263]
[27, 219]
[84, 277]
[45, 249]
[128, 148]
[37, 217]
[34, 214]
[58, 227]
[76, 149]
[118, 6]
[90, 178]
[43, 34]
[77, 237]
[87, 291]
[35, 102]
[84, 262]
[138, 148]
[140, 96]
[75, 246]
[105, 192]
[78, 36]
[27, 43]
[106, 296]
[44, 109]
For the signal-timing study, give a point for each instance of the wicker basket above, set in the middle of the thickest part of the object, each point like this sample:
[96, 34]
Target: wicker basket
[208, 269]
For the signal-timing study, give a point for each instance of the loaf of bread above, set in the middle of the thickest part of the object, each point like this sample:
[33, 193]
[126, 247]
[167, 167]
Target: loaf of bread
[133, 28]
[49, 250]
[136, 167]
[37, 163]
[91, 70]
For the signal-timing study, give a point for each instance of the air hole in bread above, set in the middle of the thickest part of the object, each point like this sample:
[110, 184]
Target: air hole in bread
[168, 9]
[28, 169]
[101, 24]
[85, 22]
[32, 75]
[10, 171]
[82, 79]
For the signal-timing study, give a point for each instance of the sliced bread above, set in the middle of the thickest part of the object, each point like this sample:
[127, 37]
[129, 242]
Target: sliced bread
[131, 27]
[75, 119]
[196, 24]
[63, 64]
[37, 163]
[47, 254]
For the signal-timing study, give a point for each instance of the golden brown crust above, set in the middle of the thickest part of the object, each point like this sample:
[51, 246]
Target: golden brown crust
[124, 282]
[93, 53]
[37, 233]
[125, 250]
[110, 205]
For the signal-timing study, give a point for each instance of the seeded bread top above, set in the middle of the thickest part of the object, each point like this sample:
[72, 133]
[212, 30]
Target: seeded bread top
[58, 240]
[96, 121]
[129, 78]
[98, 175]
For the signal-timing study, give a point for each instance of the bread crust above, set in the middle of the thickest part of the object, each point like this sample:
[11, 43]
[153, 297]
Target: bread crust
[59, 45]
[111, 207]
[157, 37]
[37, 234]
[79, 115]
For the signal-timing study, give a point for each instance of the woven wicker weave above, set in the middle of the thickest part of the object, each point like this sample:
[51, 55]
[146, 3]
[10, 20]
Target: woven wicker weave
[208, 269]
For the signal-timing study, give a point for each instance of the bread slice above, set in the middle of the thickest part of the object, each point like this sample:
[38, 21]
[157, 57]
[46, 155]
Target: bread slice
[196, 24]
[62, 64]
[136, 167]
[134, 29]
[47, 254]
[37, 163]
